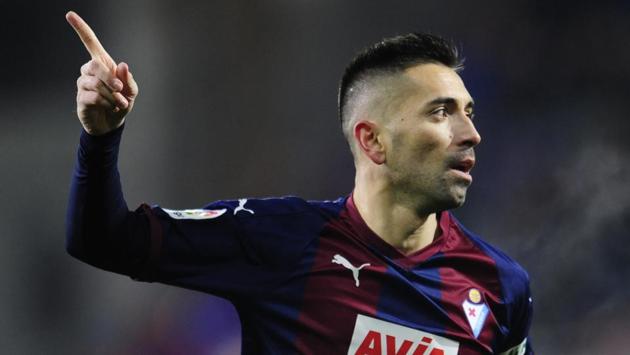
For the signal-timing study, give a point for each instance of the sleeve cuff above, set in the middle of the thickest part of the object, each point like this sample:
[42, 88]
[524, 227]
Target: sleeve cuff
[110, 139]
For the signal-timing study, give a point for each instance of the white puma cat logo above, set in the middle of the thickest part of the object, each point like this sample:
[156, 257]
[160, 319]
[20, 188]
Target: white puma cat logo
[338, 259]
[241, 206]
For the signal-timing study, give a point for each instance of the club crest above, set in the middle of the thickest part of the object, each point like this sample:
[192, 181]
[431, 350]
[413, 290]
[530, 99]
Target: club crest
[475, 310]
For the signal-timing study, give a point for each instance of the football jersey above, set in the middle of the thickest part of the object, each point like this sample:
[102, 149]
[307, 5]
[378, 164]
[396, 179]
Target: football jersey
[309, 277]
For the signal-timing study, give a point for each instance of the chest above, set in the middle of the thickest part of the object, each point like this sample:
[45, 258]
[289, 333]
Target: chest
[356, 299]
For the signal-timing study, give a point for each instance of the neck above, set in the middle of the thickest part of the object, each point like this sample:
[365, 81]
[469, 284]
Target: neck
[396, 222]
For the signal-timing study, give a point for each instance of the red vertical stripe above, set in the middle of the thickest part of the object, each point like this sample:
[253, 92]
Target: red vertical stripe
[331, 299]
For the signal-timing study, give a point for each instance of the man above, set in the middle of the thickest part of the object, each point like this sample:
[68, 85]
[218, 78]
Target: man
[386, 270]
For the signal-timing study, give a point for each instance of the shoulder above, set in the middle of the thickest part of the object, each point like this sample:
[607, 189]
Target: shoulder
[516, 306]
[513, 277]
[279, 206]
[278, 230]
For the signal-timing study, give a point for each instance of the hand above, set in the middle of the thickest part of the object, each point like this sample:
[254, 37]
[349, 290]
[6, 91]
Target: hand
[106, 91]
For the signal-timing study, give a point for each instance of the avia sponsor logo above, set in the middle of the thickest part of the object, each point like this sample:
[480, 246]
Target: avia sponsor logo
[377, 337]
[194, 214]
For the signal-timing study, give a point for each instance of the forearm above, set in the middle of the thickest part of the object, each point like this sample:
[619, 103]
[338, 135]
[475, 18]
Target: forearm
[100, 228]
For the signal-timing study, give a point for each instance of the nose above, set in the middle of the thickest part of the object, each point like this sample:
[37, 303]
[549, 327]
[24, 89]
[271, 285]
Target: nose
[465, 132]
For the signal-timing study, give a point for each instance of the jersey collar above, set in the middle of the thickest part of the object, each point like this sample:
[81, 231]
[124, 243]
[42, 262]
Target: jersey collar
[369, 237]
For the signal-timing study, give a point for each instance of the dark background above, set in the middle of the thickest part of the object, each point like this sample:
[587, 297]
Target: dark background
[238, 98]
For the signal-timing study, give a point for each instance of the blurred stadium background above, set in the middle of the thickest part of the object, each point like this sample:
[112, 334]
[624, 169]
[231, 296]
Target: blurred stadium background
[238, 98]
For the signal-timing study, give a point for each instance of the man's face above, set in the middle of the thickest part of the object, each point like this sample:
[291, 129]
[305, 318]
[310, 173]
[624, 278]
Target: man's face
[429, 138]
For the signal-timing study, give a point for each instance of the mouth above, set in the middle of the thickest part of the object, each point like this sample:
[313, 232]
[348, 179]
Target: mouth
[463, 167]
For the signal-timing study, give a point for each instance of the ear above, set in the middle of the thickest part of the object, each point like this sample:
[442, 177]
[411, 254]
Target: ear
[369, 141]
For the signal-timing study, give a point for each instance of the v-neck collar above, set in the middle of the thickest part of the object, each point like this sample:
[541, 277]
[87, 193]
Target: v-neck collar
[368, 236]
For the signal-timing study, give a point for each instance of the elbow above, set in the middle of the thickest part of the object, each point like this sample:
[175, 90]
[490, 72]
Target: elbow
[76, 242]
[73, 247]
[73, 250]
[76, 248]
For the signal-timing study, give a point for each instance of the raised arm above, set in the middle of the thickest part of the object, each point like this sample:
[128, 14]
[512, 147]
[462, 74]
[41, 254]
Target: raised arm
[212, 249]
[100, 228]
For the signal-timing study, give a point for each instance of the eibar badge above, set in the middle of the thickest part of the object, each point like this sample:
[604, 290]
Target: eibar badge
[476, 311]
[194, 214]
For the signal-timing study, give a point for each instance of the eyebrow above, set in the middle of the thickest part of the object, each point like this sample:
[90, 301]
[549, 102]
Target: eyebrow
[449, 101]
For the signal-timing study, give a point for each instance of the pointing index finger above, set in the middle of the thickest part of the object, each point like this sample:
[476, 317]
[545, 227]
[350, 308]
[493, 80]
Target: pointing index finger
[89, 39]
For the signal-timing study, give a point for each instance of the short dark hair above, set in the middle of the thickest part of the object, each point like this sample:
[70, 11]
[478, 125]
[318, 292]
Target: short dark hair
[394, 55]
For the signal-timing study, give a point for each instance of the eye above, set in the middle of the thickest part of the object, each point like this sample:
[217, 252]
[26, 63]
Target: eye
[440, 112]
[471, 115]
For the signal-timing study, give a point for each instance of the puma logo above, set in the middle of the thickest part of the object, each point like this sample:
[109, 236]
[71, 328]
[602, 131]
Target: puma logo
[338, 259]
[241, 206]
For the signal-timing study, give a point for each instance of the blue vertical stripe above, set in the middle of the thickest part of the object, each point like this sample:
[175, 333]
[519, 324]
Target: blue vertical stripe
[416, 294]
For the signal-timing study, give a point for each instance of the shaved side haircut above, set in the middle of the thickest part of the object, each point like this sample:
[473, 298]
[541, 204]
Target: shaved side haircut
[376, 69]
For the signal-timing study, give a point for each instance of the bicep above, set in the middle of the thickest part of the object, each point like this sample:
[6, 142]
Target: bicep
[199, 249]
[230, 248]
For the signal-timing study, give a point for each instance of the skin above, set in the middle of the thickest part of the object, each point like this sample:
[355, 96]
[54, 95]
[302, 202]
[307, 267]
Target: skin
[106, 91]
[408, 135]
[413, 159]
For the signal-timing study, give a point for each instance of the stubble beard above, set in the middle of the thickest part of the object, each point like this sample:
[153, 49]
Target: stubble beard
[454, 194]
[428, 193]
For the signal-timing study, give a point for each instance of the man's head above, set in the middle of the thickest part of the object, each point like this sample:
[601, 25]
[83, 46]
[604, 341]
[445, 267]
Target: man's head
[407, 117]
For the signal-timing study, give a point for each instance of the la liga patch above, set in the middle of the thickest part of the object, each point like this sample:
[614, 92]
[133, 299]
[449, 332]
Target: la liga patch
[194, 214]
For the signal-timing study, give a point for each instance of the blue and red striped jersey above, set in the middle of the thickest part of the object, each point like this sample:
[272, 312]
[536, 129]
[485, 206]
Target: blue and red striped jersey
[307, 277]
